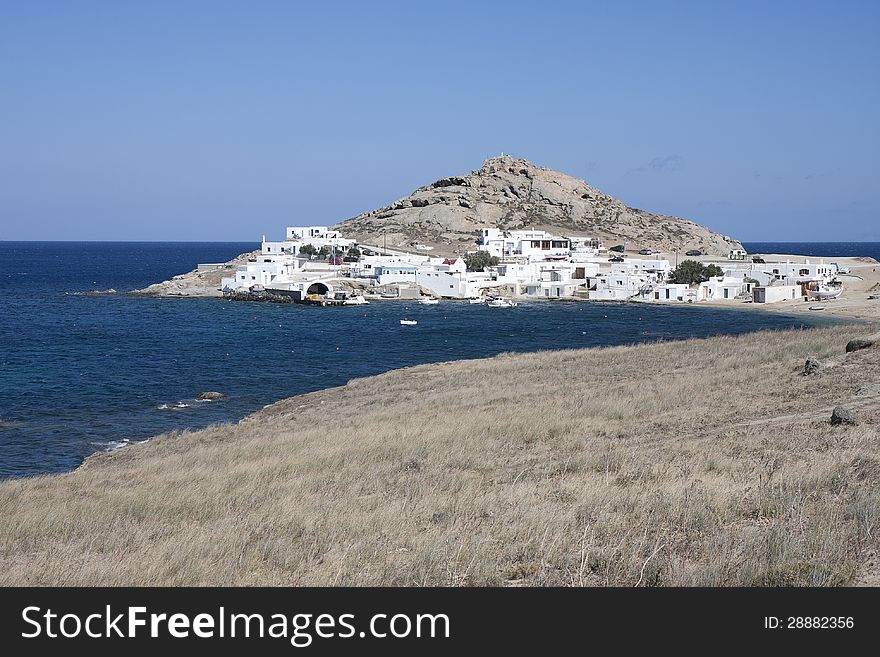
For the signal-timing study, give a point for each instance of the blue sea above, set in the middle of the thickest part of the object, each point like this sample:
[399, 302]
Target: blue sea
[817, 249]
[80, 373]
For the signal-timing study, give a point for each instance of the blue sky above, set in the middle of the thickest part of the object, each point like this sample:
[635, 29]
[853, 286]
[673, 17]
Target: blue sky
[226, 120]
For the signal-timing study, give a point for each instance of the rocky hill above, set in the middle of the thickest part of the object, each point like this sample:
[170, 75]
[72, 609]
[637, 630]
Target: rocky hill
[512, 193]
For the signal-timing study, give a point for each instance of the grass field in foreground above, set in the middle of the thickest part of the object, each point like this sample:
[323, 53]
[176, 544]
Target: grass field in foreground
[705, 462]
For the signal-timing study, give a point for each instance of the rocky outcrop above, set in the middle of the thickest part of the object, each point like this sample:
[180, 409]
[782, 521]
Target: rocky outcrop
[859, 343]
[210, 396]
[512, 193]
[93, 293]
[811, 366]
[842, 415]
[196, 283]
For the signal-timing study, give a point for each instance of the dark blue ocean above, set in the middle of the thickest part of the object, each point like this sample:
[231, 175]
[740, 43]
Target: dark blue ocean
[823, 249]
[80, 374]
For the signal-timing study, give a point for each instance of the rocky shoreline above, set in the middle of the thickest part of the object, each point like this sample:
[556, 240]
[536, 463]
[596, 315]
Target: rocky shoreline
[196, 283]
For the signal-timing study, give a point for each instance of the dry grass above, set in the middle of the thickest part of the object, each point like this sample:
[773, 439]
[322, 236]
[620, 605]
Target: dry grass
[706, 462]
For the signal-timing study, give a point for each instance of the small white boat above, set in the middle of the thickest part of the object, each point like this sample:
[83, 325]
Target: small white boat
[356, 300]
[501, 303]
[478, 300]
[825, 292]
[429, 301]
[408, 322]
[817, 307]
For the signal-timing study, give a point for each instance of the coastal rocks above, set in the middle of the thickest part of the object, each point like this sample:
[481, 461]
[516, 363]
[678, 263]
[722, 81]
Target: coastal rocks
[196, 283]
[210, 395]
[841, 415]
[93, 293]
[858, 343]
[811, 366]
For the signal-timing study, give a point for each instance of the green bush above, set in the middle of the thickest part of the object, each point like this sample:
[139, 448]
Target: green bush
[479, 260]
[691, 271]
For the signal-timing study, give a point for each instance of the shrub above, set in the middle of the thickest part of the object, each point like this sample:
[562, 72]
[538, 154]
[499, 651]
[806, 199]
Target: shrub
[479, 260]
[691, 271]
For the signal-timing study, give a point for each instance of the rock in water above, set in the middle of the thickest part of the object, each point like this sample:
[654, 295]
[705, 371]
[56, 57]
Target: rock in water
[94, 293]
[858, 343]
[812, 366]
[842, 415]
[210, 396]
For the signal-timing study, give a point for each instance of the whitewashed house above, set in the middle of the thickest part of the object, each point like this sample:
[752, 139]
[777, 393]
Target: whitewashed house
[720, 288]
[263, 271]
[621, 286]
[673, 292]
[552, 280]
[657, 270]
[776, 293]
[522, 243]
[319, 236]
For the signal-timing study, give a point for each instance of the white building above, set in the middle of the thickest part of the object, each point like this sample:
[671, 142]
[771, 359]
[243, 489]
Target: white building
[318, 236]
[442, 277]
[776, 293]
[282, 265]
[653, 269]
[311, 232]
[720, 288]
[621, 286]
[673, 292]
[522, 243]
[263, 271]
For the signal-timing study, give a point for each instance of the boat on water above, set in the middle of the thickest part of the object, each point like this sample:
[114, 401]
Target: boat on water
[429, 301]
[501, 303]
[817, 307]
[477, 300]
[825, 292]
[356, 300]
[408, 322]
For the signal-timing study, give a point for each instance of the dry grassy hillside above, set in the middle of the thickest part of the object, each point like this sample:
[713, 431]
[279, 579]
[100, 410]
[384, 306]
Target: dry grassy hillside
[708, 462]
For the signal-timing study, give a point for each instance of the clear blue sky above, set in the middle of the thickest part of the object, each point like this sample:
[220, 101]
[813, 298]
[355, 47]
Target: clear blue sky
[226, 120]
